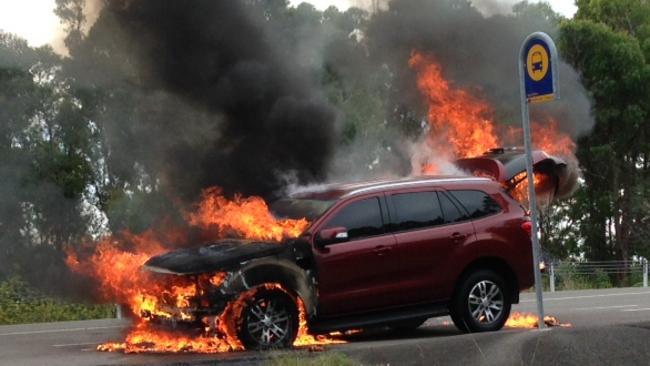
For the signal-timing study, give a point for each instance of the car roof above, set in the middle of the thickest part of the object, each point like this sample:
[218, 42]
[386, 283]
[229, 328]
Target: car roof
[336, 191]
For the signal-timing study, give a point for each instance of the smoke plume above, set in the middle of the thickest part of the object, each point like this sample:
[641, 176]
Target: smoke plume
[219, 101]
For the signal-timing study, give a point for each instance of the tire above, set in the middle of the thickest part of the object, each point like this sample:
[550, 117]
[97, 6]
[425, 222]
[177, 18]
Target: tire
[268, 320]
[481, 303]
[408, 324]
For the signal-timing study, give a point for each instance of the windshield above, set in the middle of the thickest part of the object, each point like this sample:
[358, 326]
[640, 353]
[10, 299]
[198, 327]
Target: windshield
[298, 208]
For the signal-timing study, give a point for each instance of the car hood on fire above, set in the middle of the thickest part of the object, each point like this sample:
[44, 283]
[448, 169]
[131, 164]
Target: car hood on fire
[218, 256]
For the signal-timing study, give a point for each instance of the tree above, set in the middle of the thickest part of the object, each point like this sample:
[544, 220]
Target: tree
[605, 42]
[71, 14]
[45, 141]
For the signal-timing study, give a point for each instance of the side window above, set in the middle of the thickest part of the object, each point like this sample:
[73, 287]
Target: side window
[477, 203]
[361, 218]
[451, 212]
[416, 210]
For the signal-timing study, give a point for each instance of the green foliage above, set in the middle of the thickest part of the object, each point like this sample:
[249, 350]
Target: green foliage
[607, 43]
[21, 304]
[567, 278]
[323, 359]
[561, 235]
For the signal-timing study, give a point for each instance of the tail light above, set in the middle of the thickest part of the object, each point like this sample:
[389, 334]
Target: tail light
[527, 227]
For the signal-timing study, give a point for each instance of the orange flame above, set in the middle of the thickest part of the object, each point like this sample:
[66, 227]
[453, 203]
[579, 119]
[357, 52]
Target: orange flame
[544, 188]
[464, 119]
[529, 321]
[115, 264]
[463, 125]
[249, 218]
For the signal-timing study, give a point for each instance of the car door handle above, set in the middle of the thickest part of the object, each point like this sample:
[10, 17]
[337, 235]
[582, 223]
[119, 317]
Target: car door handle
[381, 250]
[457, 237]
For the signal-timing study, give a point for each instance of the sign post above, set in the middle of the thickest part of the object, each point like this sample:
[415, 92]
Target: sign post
[538, 83]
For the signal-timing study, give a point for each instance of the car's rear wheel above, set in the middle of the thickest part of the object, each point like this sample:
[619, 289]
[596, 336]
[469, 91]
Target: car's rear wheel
[269, 320]
[481, 303]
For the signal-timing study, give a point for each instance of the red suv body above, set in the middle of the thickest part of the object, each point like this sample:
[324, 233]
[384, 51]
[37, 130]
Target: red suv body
[392, 252]
[415, 262]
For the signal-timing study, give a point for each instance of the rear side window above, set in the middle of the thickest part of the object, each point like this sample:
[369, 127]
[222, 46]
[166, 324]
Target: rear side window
[361, 218]
[416, 210]
[450, 211]
[477, 203]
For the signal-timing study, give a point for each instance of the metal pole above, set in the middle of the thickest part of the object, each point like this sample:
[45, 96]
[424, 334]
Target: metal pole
[552, 277]
[525, 117]
[645, 272]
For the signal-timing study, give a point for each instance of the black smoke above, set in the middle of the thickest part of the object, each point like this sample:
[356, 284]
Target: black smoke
[216, 101]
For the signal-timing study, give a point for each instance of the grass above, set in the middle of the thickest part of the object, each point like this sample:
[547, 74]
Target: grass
[309, 359]
[20, 304]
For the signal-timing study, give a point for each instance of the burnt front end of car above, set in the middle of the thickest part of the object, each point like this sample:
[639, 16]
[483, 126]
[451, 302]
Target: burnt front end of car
[192, 286]
[187, 301]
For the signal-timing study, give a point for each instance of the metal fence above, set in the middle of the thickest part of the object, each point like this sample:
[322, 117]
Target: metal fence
[592, 268]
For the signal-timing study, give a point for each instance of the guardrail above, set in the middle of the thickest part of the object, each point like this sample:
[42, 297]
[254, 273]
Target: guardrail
[598, 267]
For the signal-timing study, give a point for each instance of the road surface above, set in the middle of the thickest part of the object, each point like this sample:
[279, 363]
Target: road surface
[609, 327]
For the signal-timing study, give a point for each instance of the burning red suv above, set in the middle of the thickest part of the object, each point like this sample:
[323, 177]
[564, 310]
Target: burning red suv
[391, 252]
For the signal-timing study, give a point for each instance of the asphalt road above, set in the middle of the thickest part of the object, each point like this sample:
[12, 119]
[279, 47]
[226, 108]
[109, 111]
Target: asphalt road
[609, 327]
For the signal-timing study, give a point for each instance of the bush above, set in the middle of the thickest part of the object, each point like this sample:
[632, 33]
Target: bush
[601, 279]
[567, 278]
[19, 303]
[636, 279]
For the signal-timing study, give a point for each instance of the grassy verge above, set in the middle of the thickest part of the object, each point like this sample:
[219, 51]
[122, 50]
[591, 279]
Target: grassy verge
[21, 304]
[307, 359]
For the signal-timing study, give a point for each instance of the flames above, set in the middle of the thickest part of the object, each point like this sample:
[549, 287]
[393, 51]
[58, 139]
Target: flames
[249, 218]
[529, 321]
[462, 119]
[115, 265]
[463, 125]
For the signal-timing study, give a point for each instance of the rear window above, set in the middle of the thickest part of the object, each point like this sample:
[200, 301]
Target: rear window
[361, 218]
[416, 210]
[477, 203]
[450, 210]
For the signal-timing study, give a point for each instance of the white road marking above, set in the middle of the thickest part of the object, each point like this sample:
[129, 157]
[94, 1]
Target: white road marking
[73, 344]
[45, 331]
[588, 296]
[639, 309]
[608, 307]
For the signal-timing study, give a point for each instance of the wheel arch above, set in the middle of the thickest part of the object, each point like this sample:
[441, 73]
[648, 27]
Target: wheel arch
[293, 278]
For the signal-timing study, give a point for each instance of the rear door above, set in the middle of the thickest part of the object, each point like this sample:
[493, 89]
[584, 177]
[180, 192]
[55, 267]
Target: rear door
[353, 276]
[459, 230]
[427, 226]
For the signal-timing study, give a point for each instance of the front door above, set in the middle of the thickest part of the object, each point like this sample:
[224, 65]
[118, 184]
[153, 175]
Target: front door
[353, 276]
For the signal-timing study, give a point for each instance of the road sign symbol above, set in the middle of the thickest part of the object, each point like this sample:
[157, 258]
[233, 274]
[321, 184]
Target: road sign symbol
[537, 62]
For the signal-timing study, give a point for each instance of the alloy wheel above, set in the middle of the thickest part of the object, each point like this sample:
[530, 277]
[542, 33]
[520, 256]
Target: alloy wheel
[268, 321]
[485, 302]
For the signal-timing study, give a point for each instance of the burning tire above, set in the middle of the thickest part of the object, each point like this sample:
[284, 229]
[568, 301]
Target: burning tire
[482, 302]
[269, 320]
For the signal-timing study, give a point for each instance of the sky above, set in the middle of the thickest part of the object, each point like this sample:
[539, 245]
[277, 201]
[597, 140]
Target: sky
[35, 21]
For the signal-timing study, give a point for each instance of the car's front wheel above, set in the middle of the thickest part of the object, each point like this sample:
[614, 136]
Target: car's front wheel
[481, 303]
[269, 320]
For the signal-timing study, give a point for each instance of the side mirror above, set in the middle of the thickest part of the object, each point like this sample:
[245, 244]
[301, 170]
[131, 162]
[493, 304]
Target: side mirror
[331, 236]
